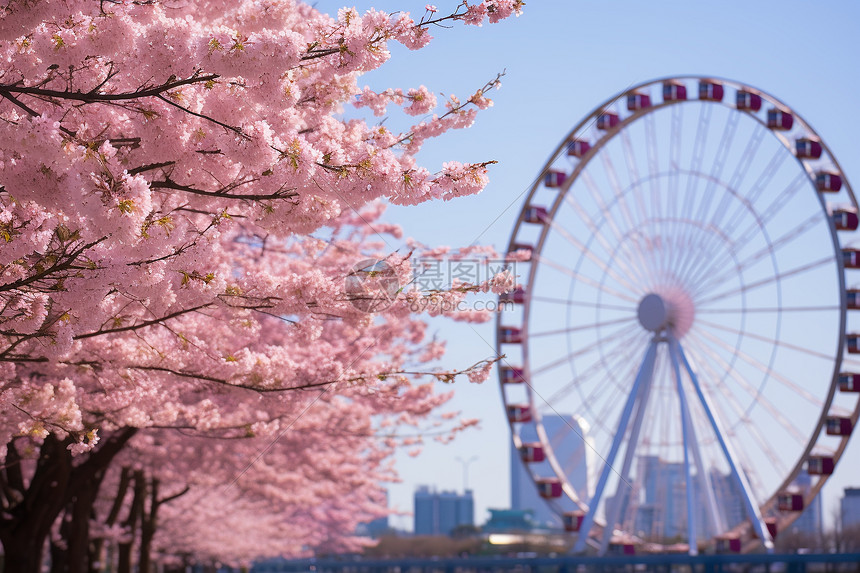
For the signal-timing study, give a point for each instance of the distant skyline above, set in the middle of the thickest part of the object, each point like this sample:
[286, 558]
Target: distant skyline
[561, 60]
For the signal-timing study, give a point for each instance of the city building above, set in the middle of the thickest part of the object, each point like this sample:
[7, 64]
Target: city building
[850, 508]
[565, 434]
[439, 513]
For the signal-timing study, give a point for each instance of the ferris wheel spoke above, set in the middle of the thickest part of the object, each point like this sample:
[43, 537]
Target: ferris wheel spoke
[764, 282]
[796, 388]
[756, 190]
[768, 309]
[635, 271]
[590, 255]
[760, 399]
[740, 480]
[740, 173]
[579, 352]
[592, 305]
[643, 377]
[589, 326]
[596, 195]
[586, 279]
[775, 245]
[775, 341]
[690, 194]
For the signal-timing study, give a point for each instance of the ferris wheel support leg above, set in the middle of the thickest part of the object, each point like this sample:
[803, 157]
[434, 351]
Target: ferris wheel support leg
[715, 515]
[630, 450]
[646, 371]
[692, 537]
[740, 479]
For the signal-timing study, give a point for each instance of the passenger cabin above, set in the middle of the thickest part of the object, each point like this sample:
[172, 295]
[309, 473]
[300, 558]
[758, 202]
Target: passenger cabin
[826, 181]
[621, 549]
[778, 119]
[838, 426]
[517, 296]
[852, 298]
[535, 215]
[522, 247]
[748, 101]
[806, 148]
[849, 382]
[578, 148]
[845, 220]
[851, 258]
[531, 453]
[728, 544]
[510, 335]
[674, 91]
[710, 90]
[789, 501]
[772, 527]
[607, 120]
[549, 488]
[519, 413]
[853, 341]
[554, 178]
[511, 375]
[820, 465]
[573, 520]
[637, 101]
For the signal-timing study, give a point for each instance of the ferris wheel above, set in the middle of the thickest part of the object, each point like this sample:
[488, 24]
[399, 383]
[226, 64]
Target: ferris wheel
[685, 268]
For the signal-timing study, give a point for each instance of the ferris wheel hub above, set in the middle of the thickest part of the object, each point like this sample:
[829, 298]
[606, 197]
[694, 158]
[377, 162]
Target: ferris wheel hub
[672, 309]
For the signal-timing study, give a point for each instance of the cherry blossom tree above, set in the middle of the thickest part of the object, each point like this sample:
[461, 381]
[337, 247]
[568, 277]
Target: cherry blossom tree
[181, 204]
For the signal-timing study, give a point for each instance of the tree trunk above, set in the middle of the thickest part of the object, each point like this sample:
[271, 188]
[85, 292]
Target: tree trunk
[97, 553]
[135, 514]
[30, 510]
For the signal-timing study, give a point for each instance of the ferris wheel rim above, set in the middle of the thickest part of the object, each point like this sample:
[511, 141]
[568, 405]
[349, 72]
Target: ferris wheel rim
[580, 166]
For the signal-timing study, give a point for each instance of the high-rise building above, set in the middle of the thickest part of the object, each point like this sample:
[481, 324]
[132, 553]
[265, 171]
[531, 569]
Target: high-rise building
[850, 507]
[565, 434]
[439, 513]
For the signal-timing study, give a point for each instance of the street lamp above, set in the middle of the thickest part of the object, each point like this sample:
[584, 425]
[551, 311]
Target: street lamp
[466, 470]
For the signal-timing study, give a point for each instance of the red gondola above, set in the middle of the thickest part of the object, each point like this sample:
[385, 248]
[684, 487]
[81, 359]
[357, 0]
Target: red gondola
[637, 101]
[573, 520]
[511, 335]
[772, 528]
[826, 181]
[851, 258]
[845, 220]
[622, 549]
[535, 215]
[849, 382]
[820, 465]
[511, 375]
[838, 426]
[554, 178]
[530, 453]
[807, 148]
[522, 247]
[549, 488]
[788, 501]
[607, 120]
[578, 148]
[748, 101]
[674, 91]
[778, 119]
[852, 298]
[710, 90]
[728, 544]
[519, 413]
[517, 296]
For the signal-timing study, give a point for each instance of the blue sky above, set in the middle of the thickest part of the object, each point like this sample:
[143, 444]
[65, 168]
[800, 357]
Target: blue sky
[561, 59]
